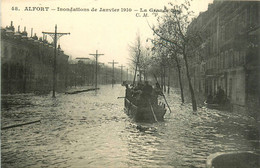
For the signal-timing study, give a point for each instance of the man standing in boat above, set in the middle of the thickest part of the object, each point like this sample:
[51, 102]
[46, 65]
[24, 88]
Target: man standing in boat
[147, 89]
[146, 92]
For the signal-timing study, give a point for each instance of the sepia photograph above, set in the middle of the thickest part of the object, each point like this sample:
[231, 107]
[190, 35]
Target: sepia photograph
[130, 83]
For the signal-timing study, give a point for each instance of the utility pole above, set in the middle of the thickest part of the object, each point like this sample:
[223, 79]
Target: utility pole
[121, 73]
[113, 63]
[55, 36]
[96, 56]
[106, 74]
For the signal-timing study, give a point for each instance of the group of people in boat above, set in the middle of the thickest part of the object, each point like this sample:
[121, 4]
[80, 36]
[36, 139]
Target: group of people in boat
[143, 93]
[219, 98]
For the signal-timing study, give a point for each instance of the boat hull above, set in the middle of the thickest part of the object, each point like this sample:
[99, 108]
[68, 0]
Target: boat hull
[144, 113]
[225, 107]
[239, 159]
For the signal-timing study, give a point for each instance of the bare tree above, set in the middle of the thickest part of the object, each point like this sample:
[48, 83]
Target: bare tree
[171, 51]
[140, 58]
[172, 29]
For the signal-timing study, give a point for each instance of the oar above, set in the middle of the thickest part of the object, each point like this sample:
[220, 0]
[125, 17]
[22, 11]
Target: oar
[154, 116]
[120, 97]
[18, 125]
[167, 103]
[162, 94]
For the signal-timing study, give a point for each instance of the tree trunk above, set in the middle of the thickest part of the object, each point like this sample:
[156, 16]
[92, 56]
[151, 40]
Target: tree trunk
[164, 76]
[135, 74]
[193, 100]
[180, 80]
[168, 91]
[140, 75]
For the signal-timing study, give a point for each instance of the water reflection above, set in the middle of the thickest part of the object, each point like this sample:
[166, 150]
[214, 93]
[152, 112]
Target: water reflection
[90, 129]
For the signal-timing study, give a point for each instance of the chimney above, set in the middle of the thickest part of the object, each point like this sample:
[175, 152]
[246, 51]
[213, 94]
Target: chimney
[19, 28]
[31, 32]
[11, 23]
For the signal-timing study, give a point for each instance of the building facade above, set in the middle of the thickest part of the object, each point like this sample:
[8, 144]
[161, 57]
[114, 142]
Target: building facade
[228, 55]
[27, 63]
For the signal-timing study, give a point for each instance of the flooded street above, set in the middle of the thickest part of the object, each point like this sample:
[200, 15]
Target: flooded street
[90, 129]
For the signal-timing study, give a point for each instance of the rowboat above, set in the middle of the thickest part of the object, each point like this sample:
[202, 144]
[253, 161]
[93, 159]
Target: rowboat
[144, 111]
[239, 159]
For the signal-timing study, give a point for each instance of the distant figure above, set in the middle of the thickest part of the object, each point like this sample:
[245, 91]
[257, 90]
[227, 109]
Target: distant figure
[220, 97]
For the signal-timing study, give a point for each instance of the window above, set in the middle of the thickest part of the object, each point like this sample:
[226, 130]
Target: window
[231, 55]
[222, 60]
[5, 54]
[222, 33]
[226, 59]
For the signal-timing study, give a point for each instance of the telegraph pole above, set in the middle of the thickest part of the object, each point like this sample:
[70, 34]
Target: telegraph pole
[96, 56]
[121, 73]
[113, 63]
[55, 36]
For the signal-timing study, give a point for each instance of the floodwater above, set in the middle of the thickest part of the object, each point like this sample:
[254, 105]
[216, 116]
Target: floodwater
[90, 129]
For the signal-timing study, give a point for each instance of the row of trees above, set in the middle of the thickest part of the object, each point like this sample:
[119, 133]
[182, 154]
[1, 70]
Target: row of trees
[172, 47]
[82, 73]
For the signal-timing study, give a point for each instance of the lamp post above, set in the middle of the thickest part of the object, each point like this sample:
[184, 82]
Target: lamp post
[96, 56]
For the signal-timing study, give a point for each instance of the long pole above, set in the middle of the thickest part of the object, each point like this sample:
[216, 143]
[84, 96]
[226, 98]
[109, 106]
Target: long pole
[96, 70]
[163, 95]
[154, 116]
[54, 63]
[121, 72]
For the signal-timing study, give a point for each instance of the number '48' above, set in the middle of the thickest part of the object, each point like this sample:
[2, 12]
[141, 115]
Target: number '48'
[15, 8]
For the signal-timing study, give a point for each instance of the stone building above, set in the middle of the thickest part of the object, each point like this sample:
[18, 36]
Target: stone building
[81, 72]
[27, 63]
[228, 55]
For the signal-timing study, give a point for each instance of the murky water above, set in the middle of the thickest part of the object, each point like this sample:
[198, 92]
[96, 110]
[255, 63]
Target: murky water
[91, 130]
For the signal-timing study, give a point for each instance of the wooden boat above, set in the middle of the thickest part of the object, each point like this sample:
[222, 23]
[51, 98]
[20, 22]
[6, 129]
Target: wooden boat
[144, 111]
[240, 159]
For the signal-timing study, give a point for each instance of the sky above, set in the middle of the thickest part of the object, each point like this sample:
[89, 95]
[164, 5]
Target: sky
[110, 33]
